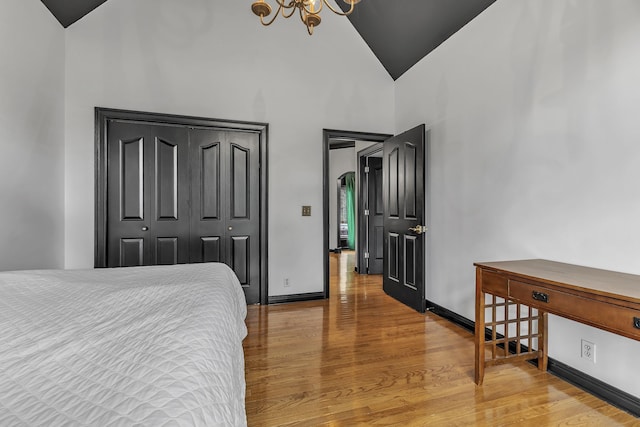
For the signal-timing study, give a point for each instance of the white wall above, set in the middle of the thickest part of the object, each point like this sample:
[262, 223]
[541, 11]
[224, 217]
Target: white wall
[213, 59]
[31, 137]
[533, 112]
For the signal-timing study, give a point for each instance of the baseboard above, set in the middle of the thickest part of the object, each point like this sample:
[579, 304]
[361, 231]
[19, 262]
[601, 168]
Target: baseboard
[602, 390]
[451, 316]
[282, 299]
[594, 386]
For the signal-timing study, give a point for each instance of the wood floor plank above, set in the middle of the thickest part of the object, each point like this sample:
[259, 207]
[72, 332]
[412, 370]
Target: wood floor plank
[363, 359]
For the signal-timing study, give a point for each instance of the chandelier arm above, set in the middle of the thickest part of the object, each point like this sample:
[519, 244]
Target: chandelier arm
[293, 10]
[286, 6]
[339, 12]
[275, 15]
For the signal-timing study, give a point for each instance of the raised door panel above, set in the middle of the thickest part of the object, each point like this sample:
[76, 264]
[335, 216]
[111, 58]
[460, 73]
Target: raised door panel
[409, 181]
[166, 187]
[393, 184]
[378, 206]
[393, 258]
[167, 250]
[377, 246]
[131, 183]
[240, 257]
[131, 252]
[240, 192]
[211, 249]
[209, 181]
[410, 261]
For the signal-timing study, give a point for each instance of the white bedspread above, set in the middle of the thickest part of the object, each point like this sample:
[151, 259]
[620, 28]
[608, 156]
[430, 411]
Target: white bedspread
[149, 346]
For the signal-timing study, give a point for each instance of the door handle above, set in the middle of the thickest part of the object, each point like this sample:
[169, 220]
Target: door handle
[145, 228]
[418, 229]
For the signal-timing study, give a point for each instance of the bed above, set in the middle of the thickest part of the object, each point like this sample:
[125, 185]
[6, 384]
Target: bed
[148, 346]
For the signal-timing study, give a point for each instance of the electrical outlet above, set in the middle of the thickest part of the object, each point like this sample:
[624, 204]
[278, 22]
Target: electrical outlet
[588, 351]
[286, 282]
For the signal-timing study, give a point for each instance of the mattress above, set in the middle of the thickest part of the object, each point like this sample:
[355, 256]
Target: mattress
[147, 346]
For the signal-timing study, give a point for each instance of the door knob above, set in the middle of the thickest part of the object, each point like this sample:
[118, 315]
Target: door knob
[230, 228]
[418, 229]
[145, 228]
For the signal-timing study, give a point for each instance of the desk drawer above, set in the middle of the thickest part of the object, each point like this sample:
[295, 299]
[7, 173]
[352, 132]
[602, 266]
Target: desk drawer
[495, 283]
[604, 315]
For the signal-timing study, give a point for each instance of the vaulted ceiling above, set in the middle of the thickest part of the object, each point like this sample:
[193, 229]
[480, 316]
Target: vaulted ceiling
[399, 32]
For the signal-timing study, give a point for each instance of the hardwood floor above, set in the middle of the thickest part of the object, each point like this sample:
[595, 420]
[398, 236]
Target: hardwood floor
[361, 358]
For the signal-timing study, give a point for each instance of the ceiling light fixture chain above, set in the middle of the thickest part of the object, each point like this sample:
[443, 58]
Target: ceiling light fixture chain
[309, 10]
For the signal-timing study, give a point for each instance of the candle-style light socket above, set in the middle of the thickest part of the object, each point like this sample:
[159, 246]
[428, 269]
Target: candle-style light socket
[260, 8]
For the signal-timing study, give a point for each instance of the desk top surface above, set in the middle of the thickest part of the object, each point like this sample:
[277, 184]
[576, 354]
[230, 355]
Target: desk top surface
[607, 283]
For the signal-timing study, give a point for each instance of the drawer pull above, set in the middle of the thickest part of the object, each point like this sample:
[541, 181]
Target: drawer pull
[540, 296]
[636, 322]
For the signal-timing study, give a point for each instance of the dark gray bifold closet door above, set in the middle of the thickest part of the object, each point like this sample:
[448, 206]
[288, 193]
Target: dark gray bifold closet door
[182, 195]
[225, 222]
[148, 195]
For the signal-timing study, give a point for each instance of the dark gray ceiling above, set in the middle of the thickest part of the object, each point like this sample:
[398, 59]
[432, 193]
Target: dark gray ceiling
[69, 11]
[402, 32]
[399, 32]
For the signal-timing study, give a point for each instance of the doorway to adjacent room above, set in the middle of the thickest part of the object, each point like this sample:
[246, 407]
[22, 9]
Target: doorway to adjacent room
[400, 205]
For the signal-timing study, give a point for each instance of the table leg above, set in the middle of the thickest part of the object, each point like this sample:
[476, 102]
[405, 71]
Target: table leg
[542, 341]
[479, 330]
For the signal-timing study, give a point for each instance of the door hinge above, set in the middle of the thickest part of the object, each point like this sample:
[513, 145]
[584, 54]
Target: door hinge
[366, 255]
[366, 212]
[366, 169]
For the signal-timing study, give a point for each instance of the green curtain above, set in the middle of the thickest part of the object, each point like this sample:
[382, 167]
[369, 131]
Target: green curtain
[350, 179]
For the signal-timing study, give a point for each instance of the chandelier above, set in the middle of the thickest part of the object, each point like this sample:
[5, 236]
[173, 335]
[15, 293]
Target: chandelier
[309, 10]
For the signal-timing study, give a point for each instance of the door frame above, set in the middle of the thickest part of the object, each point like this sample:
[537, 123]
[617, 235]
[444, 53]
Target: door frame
[363, 238]
[104, 115]
[327, 136]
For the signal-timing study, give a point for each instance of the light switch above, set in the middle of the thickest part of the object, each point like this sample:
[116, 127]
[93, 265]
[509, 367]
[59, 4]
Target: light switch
[306, 211]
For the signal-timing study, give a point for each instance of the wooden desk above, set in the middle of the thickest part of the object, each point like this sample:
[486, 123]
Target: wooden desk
[514, 297]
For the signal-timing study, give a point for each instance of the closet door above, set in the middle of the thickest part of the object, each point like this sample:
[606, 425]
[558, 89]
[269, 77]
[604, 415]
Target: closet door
[147, 194]
[172, 193]
[225, 220]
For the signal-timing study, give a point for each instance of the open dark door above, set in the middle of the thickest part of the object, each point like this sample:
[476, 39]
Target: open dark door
[374, 216]
[404, 205]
